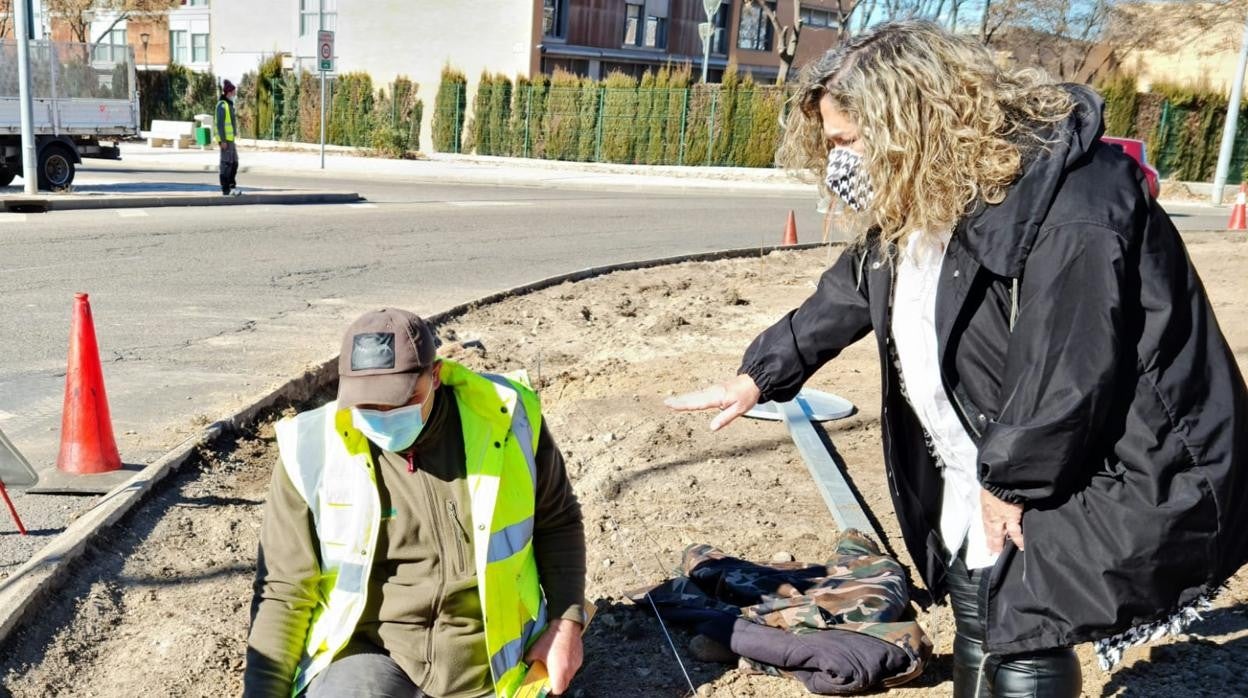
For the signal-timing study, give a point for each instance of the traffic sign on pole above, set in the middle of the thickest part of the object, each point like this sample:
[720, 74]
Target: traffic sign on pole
[325, 50]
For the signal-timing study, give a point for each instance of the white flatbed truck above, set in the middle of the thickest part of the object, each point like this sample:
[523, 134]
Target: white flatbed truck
[83, 98]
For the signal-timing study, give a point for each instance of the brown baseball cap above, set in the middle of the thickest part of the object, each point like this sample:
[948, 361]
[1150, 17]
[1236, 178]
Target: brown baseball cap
[383, 354]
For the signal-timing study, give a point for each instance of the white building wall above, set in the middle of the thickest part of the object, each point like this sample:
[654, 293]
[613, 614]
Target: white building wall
[245, 31]
[193, 19]
[384, 38]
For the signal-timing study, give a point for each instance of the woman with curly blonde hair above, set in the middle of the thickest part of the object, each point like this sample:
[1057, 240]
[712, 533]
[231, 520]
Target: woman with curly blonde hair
[1051, 365]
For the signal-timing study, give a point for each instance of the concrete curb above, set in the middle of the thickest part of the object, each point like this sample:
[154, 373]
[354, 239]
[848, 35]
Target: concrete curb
[43, 573]
[27, 204]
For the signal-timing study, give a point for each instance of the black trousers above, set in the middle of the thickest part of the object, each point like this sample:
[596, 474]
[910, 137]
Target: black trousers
[229, 167]
[1048, 674]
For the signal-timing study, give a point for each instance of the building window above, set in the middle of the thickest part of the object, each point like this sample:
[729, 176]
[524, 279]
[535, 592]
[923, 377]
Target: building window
[645, 24]
[309, 16]
[815, 17]
[195, 3]
[719, 41]
[199, 48]
[553, 17]
[632, 23]
[179, 50]
[754, 31]
[111, 48]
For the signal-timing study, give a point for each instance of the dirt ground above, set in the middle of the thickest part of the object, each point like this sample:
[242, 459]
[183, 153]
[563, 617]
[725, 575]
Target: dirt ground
[160, 605]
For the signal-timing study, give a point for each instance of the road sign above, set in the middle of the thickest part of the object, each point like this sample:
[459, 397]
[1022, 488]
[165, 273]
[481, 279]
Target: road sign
[711, 7]
[325, 50]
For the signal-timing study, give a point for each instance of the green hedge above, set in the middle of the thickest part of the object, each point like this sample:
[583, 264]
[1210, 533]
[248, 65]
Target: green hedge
[287, 106]
[1181, 126]
[448, 111]
[175, 94]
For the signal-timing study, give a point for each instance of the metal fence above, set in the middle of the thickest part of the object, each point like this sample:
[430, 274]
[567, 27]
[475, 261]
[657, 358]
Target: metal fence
[1186, 144]
[69, 70]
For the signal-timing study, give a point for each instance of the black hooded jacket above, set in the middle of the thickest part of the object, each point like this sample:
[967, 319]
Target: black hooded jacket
[1081, 351]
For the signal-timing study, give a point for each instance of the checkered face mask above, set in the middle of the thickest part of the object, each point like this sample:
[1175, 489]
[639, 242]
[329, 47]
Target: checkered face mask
[848, 179]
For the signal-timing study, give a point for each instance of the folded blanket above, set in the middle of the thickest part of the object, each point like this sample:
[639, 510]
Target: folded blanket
[840, 627]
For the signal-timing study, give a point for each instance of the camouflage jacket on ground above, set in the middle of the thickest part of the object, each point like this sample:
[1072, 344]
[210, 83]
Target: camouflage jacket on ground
[859, 590]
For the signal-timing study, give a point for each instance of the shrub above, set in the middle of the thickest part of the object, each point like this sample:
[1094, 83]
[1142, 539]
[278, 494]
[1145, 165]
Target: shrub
[448, 111]
[562, 120]
[619, 112]
[591, 101]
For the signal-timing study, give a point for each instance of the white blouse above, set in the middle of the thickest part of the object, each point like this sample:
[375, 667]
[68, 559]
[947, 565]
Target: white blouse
[914, 334]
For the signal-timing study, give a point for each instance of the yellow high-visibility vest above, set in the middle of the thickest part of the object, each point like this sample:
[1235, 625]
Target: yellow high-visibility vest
[330, 464]
[227, 130]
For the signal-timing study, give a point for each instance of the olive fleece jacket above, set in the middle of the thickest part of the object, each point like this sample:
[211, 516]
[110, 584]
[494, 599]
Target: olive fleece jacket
[423, 606]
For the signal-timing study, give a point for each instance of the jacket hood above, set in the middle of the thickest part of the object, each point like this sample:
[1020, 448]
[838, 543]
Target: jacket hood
[1000, 236]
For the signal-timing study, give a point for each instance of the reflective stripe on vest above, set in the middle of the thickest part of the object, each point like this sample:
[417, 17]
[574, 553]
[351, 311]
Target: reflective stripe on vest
[227, 124]
[330, 464]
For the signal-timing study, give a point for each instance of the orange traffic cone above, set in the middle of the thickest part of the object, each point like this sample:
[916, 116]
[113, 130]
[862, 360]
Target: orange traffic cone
[87, 444]
[1239, 212]
[790, 230]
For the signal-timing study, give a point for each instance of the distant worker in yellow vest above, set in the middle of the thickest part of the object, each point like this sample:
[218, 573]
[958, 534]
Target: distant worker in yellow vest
[227, 127]
[420, 538]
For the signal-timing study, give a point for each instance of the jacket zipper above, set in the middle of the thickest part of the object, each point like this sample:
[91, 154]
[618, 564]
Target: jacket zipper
[438, 598]
[888, 369]
[966, 419]
[453, 511]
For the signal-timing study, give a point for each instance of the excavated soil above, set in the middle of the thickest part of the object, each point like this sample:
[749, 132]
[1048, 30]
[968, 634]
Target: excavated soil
[160, 605]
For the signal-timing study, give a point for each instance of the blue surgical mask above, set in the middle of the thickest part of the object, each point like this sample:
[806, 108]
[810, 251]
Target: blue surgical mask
[392, 430]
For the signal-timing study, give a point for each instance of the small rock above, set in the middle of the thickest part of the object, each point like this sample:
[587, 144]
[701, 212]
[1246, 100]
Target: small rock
[608, 562]
[783, 556]
[705, 649]
[587, 314]
[705, 690]
[607, 438]
[643, 671]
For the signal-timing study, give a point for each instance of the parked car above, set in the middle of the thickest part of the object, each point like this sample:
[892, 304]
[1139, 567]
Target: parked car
[1136, 149]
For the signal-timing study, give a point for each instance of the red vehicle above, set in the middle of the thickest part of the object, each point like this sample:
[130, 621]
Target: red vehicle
[1135, 148]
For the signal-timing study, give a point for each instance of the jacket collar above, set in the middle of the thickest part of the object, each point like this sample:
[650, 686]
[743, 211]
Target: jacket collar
[1000, 236]
[479, 394]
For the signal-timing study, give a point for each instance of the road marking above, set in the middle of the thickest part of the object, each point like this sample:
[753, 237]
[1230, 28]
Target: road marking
[361, 205]
[12, 217]
[132, 213]
[483, 204]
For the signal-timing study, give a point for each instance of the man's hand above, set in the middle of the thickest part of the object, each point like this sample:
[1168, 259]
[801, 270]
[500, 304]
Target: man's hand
[1001, 519]
[734, 397]
[559, 648]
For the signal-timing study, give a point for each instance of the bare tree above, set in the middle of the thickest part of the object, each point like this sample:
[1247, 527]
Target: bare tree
[79, 14]
[787, 37]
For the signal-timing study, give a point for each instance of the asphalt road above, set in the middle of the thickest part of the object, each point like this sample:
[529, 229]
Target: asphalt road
[200, 311]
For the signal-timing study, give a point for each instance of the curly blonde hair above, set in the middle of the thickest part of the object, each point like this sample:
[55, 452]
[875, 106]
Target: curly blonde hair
[942, 124]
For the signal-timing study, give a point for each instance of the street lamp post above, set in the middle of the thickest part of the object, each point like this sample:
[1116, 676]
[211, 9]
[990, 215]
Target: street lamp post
[145, 37]
[1232, 119]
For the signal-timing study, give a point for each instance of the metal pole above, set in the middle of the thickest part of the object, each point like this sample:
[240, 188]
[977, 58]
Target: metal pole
[321, 27]
[706, 58]
[30, 177]
[1232, 121]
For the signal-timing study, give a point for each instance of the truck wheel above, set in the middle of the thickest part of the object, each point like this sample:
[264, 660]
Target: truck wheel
[6, 177]
[56, 167]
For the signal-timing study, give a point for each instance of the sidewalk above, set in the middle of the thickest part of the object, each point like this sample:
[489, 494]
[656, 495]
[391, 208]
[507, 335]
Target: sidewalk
[270, 157]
